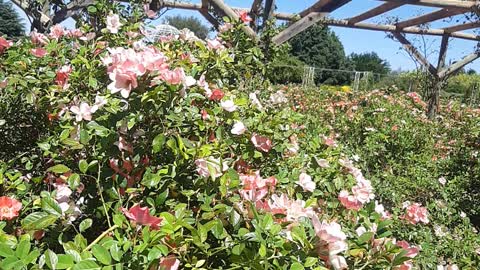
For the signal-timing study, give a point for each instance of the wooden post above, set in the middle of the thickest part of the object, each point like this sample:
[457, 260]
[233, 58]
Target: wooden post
[385, 7]
[219, 4]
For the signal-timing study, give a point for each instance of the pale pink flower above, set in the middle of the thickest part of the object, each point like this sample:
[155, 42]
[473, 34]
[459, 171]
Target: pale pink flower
[38, 38]
[39, 52]
[408, 265]
[329, 141]
[261, 143]
[305, 181]
[150, 13]
[363, 191]
[360, 231]
[238, 128]
[84, 112]
[322, 162]
[329, 232]
[77, 33]
[379, 208]
[122, 82]
[293, 210]
[225, 27]
[255, 187]
[349, 201]
[228, 105]
[214, 44]
[99, 102]
[338, 262]
[113, 23]
[57, 31]
[416, 213]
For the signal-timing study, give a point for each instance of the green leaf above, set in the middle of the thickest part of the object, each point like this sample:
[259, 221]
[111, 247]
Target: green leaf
[115, 252]
[85, 224]
[6, 251]
[92, 9]
[365, 237]
[73, 181]
[310, 261]
[65, 261]
[102, 254]
[50, 206]
[38, 221]
[154, 253]
[262, 251]
[23, 249]
[51, 259]
[296, 266]
[59, 169]
[86, 265]
[32, 257]
[11, 263]
[83, 165]
[158, 143]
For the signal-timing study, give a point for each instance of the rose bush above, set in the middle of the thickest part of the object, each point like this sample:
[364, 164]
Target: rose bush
[121, 153]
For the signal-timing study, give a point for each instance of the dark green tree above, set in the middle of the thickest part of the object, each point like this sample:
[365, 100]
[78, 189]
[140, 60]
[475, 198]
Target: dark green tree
[369, 62]
[319, 47]
[10, 22]
[193, 23]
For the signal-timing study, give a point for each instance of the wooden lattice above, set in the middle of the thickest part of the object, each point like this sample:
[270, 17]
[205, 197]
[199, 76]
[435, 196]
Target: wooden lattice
[262, 10]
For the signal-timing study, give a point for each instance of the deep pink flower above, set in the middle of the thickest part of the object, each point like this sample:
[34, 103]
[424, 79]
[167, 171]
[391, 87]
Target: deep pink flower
[142, 216]
[5, 44]
[412, 251]
[261, 143]
[416, 213]
[62, 75]
[39, 52]
[244, 17]
[216, 95]
[9, 208]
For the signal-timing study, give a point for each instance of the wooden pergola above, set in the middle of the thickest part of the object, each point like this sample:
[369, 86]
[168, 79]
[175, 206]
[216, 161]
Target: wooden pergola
[262, 10]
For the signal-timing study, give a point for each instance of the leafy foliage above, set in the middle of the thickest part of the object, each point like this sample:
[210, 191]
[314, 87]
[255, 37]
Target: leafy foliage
[192, 23]
[369, 62]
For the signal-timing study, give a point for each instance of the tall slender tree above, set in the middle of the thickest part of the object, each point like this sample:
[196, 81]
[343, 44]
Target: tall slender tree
[10, 21]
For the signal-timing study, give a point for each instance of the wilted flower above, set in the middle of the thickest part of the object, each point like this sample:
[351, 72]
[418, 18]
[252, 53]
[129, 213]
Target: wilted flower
[261, 143]
[278, 97]
[442, 180]
[169, 263]
[9, 208]
[210, 166]
[3, 83]
[62, 76]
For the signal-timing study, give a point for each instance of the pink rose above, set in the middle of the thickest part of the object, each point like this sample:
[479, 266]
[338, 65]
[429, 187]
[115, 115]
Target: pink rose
[39, 52]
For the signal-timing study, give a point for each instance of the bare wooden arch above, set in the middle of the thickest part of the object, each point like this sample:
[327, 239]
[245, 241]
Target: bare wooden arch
[317, 13]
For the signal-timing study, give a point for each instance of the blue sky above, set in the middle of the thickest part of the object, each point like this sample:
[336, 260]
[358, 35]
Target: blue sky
[358, 41]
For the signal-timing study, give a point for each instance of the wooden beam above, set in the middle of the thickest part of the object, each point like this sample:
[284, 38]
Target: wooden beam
[385, 7]
[461, 27]
[324, 6]
[458, 65]
[23, 5]
[298, 27]
[393, 28]
[269, 9]
[233, 15]
[415, 53]
[443, 52]
[430, 17]
[468, 5]
[209, 18]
